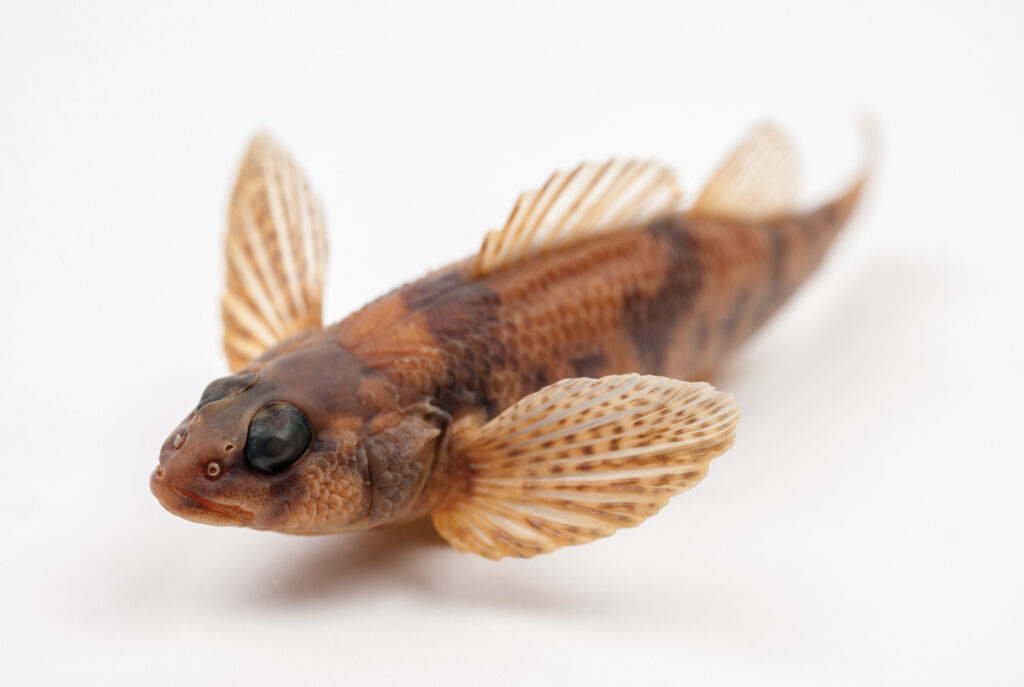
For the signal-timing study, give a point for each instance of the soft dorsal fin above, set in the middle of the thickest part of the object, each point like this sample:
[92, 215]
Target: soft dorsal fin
[580, 459]
[276, 254]
[757, 181]
[575, 205]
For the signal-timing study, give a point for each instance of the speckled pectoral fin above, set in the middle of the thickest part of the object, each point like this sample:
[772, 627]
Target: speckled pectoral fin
[757, 181]
[276, 252]
[579, 460]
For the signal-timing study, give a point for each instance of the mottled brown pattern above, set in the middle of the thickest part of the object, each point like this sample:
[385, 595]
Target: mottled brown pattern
[651, 319]
[673, 299]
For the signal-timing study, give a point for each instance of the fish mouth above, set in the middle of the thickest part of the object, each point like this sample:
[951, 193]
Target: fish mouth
[192, 506]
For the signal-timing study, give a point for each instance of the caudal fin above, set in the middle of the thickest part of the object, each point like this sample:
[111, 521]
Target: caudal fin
[759, 179]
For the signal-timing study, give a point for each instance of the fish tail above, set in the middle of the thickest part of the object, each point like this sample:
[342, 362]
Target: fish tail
[842, 206]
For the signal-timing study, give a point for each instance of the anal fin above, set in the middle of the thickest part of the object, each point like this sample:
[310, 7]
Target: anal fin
[580, 459]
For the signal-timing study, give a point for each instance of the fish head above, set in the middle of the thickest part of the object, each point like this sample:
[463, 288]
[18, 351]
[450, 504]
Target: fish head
[289, 445]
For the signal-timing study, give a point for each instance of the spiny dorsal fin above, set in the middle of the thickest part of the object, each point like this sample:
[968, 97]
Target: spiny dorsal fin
[757, 181]
[576, 205]
[579, 460]
[276, 254]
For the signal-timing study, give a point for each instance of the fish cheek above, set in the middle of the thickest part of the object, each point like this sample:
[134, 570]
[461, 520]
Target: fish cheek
[326, 491]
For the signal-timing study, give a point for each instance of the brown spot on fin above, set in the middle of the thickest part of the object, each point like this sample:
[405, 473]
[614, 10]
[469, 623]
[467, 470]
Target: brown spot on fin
[276, 255]
[579, 460]
[757, 181]
[573, 206]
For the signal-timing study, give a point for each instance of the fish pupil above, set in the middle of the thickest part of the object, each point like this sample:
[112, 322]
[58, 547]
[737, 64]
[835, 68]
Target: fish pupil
[278, 436]
[274, 446]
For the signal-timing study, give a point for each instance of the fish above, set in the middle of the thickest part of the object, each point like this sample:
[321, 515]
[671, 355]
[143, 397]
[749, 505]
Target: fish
[527, 398]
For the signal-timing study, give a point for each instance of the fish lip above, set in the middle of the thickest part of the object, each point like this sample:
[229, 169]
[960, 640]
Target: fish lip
[237, 513]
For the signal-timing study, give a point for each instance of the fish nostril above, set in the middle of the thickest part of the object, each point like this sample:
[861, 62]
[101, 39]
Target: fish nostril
[228, 448]
[179, 439]
[159, 472]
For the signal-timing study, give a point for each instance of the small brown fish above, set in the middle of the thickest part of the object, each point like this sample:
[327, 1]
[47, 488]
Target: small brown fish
[526, 398]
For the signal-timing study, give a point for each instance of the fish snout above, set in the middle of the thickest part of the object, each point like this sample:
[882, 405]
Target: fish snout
[191, 506]
[183, 473]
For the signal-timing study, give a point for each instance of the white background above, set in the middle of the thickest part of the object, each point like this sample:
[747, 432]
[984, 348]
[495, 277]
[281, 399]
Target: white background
[865, 529]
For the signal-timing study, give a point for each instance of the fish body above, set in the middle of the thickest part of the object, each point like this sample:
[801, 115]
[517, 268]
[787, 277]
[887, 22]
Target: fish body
[525, 397]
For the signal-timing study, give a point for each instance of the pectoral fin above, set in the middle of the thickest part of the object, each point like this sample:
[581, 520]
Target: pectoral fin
[579, 460]
[276, 254]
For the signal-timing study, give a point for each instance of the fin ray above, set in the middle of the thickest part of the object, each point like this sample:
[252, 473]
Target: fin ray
[276, 251]
[757, 181]
[579, 460]
[573, 206]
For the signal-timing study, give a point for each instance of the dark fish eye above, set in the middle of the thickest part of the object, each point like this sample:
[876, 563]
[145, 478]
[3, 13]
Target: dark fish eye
[278, 435]
[220, 388]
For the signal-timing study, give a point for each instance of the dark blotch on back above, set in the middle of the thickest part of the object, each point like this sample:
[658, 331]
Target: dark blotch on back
[650, 320]
[701, 332]
[589, 365]
[463, 318]
[775, 293]
[734, 316]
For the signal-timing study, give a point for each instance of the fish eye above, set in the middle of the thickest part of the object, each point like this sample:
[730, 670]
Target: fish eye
[278, 435]
[220, 388]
